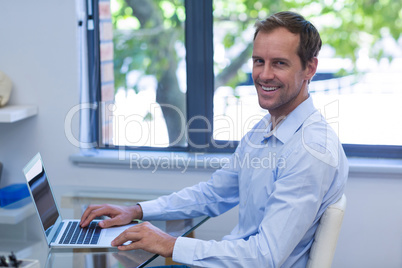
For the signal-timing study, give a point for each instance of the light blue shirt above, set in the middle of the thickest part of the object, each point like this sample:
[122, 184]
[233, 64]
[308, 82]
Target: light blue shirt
[282, 180]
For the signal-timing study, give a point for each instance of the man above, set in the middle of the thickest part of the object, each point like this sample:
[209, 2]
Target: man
[280, 200]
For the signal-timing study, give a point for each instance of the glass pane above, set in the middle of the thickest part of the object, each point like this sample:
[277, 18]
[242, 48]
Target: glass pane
[355, 87]
[143, 72]
[363, 108]
[236, 107]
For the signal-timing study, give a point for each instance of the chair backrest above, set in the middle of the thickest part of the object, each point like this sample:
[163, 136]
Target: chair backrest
[326, 236]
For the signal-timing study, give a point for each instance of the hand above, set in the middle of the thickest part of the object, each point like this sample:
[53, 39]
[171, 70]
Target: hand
[147, 237]
[119, 215]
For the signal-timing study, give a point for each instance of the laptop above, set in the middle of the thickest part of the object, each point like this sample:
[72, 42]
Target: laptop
[59, 232]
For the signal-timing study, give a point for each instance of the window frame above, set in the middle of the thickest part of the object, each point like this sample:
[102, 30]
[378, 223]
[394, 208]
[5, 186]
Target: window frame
[199, 97]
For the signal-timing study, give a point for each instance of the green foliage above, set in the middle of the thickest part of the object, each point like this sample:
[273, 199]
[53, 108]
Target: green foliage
[146, 32]
[345, 25]
[149, 37]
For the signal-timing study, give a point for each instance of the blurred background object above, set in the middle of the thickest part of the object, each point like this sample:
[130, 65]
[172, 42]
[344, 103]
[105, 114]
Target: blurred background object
[5, 88]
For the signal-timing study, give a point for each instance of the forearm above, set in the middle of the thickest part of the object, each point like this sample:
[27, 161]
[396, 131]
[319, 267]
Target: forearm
[235, 253]
[199, 200]
[212, 198]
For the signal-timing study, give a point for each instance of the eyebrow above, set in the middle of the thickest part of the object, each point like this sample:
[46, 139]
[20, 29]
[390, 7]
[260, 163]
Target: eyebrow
[281, 59]
[273, 59]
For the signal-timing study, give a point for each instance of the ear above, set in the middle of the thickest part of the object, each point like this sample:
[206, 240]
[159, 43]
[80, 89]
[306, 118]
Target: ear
[311, 68]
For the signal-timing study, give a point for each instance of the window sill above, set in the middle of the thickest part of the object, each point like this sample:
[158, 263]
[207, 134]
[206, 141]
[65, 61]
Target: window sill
[151, 160]
[365, 165]
[183, 161]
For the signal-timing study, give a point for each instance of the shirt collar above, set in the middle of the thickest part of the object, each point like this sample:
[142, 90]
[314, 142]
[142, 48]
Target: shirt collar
[288, 126]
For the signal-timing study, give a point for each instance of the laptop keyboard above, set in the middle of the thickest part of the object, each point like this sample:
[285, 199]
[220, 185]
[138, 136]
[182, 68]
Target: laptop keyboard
[74, 234]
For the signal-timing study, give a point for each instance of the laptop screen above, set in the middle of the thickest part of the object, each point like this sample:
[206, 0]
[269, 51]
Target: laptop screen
[42, 195]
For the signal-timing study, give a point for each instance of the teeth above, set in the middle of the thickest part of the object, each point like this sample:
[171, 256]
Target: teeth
[269, 88]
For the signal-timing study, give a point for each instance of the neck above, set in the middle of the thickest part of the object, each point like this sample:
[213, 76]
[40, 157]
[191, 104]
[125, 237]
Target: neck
[277, 120]
[278, 116]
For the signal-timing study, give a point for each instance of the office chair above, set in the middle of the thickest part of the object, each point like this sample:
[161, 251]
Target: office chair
[326, 236]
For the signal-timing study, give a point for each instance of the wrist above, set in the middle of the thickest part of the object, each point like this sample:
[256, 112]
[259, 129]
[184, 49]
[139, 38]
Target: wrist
[170, 247]
[137, 212]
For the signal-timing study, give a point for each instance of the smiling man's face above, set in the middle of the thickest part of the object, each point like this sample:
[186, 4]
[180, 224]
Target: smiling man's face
[278, 75]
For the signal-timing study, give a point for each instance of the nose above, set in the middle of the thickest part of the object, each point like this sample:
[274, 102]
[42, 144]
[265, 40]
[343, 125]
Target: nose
[267, 73]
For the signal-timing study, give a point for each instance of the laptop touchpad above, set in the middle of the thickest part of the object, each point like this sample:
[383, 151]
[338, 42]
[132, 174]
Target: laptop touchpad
[115, 231]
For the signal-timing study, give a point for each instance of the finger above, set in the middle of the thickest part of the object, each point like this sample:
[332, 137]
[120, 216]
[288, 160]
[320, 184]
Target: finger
[127, 235]
[110, 222]
[86, 213]
[91, 213]
[131, 246]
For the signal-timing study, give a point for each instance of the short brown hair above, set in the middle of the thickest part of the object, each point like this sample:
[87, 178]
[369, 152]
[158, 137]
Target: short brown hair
[310, 40]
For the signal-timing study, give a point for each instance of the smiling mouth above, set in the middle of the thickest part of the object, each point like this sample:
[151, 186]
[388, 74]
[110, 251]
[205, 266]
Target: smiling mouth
[269, 88]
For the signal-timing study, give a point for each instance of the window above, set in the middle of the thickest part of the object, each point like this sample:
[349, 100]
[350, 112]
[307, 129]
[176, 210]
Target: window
[176, 74]
[143, 81]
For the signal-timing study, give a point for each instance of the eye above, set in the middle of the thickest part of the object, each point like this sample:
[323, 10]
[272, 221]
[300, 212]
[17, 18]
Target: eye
[258, 61]
[280, 63]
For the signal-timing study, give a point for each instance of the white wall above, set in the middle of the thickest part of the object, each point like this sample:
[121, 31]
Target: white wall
[38, 50]
[371, 234]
